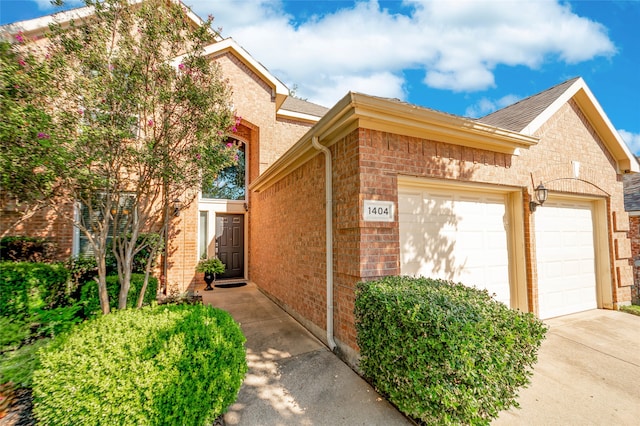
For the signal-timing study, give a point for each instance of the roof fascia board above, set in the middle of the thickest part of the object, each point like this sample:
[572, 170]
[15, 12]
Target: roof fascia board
[410, 120]
[357, 110]
[285, 113]
[333, 121]
[580, 92]
[279, 90]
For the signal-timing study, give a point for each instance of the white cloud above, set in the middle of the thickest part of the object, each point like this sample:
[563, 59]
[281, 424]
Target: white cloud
[632, 140]
[46, 4]
[486, 106]
[458, 44]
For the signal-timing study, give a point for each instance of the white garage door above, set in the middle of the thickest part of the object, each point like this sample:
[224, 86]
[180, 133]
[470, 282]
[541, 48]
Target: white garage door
[459, 236]
[566, 258]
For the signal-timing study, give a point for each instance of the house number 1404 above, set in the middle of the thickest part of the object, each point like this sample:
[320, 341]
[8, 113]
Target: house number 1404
[378, 211]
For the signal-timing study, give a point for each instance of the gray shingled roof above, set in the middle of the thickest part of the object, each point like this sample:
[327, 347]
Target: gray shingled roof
[303, 107]
[518, 116]
[632, 192]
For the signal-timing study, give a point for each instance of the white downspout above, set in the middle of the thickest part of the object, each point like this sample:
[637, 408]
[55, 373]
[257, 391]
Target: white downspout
[329, 236]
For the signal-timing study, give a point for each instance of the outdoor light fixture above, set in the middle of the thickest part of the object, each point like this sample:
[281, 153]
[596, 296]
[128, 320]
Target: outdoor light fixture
[540, 193]
[177, 204]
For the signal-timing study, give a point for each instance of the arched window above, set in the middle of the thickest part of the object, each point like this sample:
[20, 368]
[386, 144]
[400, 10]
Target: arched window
[230, 183]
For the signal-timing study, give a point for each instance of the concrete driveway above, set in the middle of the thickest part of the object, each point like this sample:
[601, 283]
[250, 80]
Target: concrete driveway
[588, 373]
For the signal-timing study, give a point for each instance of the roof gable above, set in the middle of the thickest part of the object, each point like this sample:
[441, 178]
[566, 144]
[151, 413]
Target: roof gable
[528, 115]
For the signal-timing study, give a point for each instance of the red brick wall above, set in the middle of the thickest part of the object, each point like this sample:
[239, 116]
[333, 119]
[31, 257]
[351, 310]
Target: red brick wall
[18, 221]
[288, 241]
[634, 237]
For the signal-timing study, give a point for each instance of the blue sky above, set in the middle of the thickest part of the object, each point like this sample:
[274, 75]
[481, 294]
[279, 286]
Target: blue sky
[465, 57]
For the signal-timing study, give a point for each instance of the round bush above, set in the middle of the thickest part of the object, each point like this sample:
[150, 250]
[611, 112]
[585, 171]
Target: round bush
[168, 364]
[444, 353]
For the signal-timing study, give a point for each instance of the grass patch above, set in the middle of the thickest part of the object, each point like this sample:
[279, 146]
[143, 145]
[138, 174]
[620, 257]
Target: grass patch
[632, 309]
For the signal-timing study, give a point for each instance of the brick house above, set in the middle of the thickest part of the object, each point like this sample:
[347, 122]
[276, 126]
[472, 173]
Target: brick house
[272, 121]
[375, 187]
[632, 206]
[414, 191]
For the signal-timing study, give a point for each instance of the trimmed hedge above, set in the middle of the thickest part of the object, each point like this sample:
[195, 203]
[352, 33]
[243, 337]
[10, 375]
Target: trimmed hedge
[91, 301]
[444, 353]
[25, 286]
[26, 249]
[167, 364]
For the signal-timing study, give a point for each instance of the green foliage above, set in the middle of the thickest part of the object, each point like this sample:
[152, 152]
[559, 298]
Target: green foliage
[632, 309]
[18, 365]
[28, 158]
[26, 249]
[168, 364]
[82, 269]
[91, 302]
[12, 333]
[25, 286]
[211, 266]
[442, 352]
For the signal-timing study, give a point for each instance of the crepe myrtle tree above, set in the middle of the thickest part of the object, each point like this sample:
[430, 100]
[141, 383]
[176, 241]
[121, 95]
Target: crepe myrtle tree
[145, 119]
[28, 154]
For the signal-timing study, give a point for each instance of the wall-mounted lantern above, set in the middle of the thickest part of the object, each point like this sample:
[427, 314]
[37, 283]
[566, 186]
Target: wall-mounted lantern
[541, 194]
[177, 205]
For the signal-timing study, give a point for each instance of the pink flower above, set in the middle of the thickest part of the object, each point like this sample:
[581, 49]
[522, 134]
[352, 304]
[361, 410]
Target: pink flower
[19, 38]
[234, 129]
[219, 132]
[235, 157]
[229, 145]
[198, 156]
[80, 111]
[150, 122]
[43, 136]
[181, 66]
[22, 62]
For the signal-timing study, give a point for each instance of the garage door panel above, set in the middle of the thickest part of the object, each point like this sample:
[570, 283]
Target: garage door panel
[566, 258]
[456, 236]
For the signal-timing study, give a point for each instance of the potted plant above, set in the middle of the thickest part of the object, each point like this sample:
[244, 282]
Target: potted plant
[210, 267]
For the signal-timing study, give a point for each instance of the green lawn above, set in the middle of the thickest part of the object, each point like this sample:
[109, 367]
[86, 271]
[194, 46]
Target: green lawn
[632, 309]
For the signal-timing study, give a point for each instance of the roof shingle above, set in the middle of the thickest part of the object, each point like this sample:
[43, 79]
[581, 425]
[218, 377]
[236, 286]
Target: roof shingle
[517, 116]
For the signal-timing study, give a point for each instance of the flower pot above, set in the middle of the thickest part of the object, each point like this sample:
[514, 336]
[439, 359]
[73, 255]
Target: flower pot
[209, 278]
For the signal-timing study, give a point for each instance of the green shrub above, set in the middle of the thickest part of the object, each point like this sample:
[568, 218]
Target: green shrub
[18, 365]
[82, 269]
[441, 352]
[25, 286]
[12, 334]
[91, 301]
[168, 364]
[26, 249]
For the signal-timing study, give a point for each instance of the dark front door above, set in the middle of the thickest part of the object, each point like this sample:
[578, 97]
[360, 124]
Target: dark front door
[230, 244]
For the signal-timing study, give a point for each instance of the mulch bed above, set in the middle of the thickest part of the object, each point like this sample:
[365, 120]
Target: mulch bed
[20, 412]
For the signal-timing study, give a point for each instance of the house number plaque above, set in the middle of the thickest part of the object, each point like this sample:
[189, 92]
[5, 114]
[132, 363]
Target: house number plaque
[378, 211]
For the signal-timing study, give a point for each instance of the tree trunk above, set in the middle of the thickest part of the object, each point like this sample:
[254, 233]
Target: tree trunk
[103, 295]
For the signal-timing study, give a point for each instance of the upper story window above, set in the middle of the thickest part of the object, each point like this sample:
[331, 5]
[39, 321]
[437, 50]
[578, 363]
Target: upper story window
[231, 181]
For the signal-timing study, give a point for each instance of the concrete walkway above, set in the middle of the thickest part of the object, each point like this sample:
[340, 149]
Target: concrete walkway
[293, 378]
